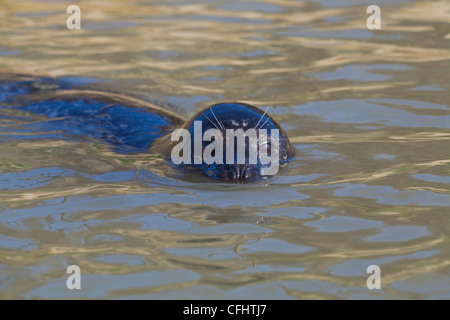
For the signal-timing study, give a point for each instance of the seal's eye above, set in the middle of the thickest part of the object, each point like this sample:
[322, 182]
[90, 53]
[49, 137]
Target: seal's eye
[265, 147]
[269, 148]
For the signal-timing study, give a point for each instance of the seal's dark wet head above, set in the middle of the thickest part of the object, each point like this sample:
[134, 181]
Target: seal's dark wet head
[224, 116]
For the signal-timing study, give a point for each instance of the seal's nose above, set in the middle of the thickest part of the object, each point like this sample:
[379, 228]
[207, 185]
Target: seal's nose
[241, 172]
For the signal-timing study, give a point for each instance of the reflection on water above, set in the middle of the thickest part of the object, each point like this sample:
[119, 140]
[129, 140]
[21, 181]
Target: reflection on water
[366, 110]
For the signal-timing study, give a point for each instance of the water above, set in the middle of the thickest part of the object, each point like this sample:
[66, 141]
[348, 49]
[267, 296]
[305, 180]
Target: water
[367, 112]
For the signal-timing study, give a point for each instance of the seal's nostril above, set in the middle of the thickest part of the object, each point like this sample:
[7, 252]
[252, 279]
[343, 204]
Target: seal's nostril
[237, 172]
[234, 175]
[245, 174]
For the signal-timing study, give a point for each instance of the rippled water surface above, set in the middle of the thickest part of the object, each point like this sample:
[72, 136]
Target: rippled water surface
[367, 112]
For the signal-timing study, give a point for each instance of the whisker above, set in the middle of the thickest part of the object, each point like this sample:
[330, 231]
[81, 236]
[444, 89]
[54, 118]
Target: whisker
[211, 121]
[218, 122]
[264, 122]
[256, 126]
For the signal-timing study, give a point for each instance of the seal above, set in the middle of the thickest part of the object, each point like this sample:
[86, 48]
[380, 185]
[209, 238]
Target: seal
[132, 125]
[233, 116]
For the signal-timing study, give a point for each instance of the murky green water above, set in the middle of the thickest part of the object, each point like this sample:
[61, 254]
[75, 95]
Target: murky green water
[366, 110]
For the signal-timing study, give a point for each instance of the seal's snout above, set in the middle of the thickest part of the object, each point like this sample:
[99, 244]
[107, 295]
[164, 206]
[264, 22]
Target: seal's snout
[243, 172]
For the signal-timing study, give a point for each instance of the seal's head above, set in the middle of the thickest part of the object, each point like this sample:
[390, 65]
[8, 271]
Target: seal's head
[233, 141]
